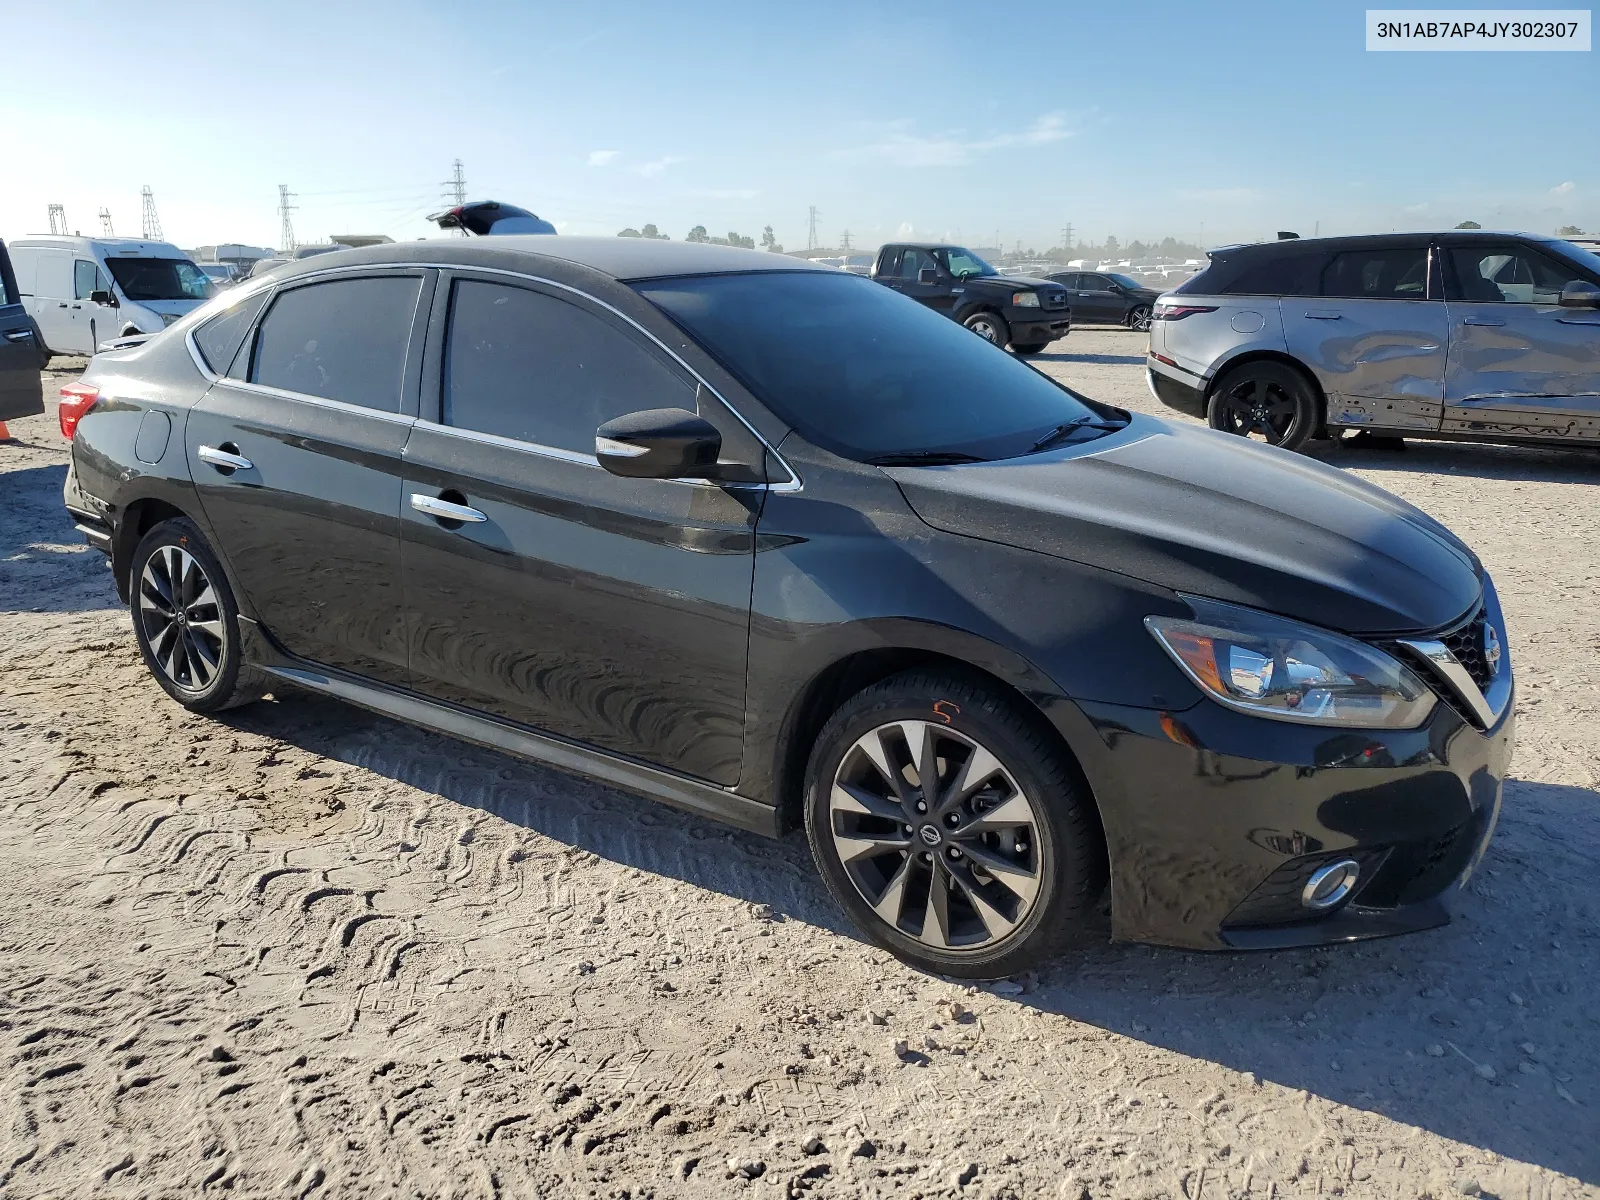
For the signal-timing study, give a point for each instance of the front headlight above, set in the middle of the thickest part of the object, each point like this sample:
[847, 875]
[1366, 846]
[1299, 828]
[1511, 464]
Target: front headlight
[1273, 667]
[1025, 299]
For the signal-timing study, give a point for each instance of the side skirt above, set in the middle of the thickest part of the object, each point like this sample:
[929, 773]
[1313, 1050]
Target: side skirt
[679, 791]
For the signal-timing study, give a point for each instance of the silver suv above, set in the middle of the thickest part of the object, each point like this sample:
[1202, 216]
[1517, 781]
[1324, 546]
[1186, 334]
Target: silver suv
[1467, 335]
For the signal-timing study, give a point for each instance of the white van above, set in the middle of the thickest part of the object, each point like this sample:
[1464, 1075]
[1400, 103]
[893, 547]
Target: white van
[83, 292]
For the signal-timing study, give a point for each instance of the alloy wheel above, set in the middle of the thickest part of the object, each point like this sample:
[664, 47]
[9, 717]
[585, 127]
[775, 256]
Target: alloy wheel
[985, 328]
[182, 618]
[1258, 406]
[1139, 319]
[936, 835]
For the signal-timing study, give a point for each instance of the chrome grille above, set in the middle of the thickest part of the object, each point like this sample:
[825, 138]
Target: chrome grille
[1466, 643]
[1055, 299]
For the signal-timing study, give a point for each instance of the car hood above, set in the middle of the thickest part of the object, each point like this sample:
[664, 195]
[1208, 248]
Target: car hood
[1215, 515]
[174, 307]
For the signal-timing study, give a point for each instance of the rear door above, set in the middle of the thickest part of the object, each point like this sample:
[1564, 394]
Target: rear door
[1519, 362]
[296, 456]
[1375, 336]
[21, 393]
[52, 297]
[611, 611]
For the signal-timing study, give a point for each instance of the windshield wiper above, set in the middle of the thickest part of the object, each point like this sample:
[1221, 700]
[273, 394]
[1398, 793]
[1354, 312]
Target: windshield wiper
[1063, 431]
[924, 458]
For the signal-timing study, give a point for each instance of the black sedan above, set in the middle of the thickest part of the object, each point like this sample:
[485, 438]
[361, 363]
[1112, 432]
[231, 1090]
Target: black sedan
[778, 546]
[1107, 298]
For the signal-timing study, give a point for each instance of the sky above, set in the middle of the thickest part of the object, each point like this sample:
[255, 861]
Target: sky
[1210, 122]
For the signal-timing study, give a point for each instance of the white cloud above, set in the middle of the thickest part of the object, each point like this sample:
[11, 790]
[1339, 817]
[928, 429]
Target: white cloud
[727, 193]
[1233, 195]
[1564, 189]
[901, 146]
[658, 166]
[906, 230]
[602, 158]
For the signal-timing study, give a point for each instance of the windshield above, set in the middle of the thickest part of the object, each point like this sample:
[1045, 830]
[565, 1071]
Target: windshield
[866, 373]
[964, 264]
[1127, 281]
[1582, 255]
[160, 279]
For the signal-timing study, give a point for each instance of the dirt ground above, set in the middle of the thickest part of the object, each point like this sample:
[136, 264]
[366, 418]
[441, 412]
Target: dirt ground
[306, 951]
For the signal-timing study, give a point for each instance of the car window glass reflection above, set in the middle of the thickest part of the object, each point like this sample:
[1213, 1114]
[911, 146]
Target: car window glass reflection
[341, 340]
[1509, 275]
[1394, 274]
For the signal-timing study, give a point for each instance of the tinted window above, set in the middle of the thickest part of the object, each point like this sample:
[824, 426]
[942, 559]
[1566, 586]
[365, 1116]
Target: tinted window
[1066, 281]
[1509, 274]
[342, 340]
[1278, 275]
[1392, 274]
[914, 261]
[866, 372]
[219, 338]
[1096, 283]
[525, 365]
[86, 278]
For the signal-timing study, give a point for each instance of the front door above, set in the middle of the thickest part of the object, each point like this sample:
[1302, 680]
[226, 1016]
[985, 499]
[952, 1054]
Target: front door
[297, 462]
[1519, 362]
[611, 611]
[1096, 299]
[93, 322]
[1375, 335]
[21, 394]
[940, 294]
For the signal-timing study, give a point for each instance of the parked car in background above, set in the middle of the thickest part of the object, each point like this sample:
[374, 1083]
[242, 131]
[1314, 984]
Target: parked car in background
[1026, 314]
[21, 393]
[262, 265]
[1107, 298]
[484, 218]
[1468, 335]
[772, 544]
[858, 264]
[82, 292]
[221, 274]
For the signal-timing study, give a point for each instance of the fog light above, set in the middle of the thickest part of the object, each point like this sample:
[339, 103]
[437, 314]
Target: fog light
[1331, 885]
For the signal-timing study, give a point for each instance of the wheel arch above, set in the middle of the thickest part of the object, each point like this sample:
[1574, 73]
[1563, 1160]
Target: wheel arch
[853, 673]
[1246, 357]
[138, 518]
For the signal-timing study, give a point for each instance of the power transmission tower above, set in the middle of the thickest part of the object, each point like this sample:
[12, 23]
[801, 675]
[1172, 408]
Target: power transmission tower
[105, 223]
[455, 189]
[58, 219]
[1066, 236]
[286, 235]
[844, 240]
[811, 230]
[152, 223]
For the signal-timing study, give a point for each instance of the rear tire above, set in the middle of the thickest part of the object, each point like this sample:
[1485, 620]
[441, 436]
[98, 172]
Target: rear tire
[186, 622]
[1139, 319]
[999, 871]
[1267, 399]
[991, 327]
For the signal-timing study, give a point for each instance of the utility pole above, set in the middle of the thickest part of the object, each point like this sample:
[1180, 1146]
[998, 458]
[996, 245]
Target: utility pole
[105, 223]
[1066, 237]
[152, 223]
[286, 235]
[844, 241]
[455, 189]
[811, 230]
[58, 219]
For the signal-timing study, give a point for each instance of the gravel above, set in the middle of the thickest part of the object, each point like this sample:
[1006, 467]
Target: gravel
[304, 950]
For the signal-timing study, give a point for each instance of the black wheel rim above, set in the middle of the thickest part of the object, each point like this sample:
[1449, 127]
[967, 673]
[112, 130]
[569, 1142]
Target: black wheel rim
[181, 618]
[936, 836]
[1257, 408]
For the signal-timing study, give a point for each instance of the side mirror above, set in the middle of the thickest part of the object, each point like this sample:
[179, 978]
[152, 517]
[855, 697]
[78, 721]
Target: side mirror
[1580, 293]
[659, 443]
[927, 275]
[102, 298]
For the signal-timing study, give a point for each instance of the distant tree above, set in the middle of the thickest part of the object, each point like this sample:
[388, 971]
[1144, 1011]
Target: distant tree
[1469, 225]
[1169, 247]
[650, 231]
[697, 234]
[1112, 246]
[744, 243]
[1137, 249]
[1568, 231]
[629, 232]
[769, 241]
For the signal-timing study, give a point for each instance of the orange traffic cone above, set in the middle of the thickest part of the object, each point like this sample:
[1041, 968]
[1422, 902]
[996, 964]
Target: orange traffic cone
[5, 434]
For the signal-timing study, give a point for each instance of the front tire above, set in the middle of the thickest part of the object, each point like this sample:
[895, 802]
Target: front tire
[991, 327]
[1270, 400]
[1029, 347]
[951, 828]
[186, 622]
[1139, 319]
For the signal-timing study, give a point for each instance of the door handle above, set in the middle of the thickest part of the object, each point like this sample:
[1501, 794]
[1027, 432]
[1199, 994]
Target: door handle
[223, 460]
[1485, 322]
[63, 304]
[444, 510]
[1324, 316]
[19, 335]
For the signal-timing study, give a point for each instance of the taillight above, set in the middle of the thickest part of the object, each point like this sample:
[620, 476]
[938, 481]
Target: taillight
[76, 399]
[1177, 312]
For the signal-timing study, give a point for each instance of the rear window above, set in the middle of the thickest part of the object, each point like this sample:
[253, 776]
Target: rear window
[1277, 275]
[866, 372]
[160, 279]
[219, 339]
[1396, 273]
[345, 340]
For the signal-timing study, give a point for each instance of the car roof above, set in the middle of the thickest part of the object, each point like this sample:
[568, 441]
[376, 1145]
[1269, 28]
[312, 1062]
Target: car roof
[1410, 237]
[113, 246]
[622, 259]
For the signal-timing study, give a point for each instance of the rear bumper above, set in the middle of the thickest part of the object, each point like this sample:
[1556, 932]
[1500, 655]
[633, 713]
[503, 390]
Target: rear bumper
[1176, 388]
[1215, 820]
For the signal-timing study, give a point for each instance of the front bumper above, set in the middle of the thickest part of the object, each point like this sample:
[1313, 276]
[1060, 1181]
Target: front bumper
[1038, 324]
[1214, 820]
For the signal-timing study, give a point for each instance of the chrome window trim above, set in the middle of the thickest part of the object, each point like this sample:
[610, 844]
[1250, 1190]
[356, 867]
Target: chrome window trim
[793, 484]
[188, 334]
[343, 406]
